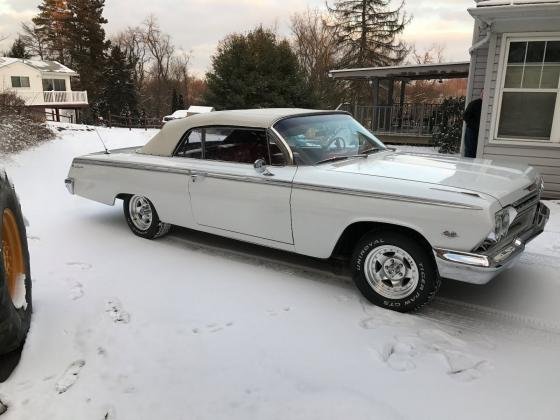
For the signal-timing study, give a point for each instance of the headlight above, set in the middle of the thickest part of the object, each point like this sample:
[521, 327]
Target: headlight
[504, 218]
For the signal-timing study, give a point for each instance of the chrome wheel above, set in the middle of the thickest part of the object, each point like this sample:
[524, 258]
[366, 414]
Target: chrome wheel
[391, 272]
[140, 212]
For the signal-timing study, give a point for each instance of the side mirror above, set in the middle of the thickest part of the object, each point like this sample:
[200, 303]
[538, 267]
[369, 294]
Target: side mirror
[260, 167]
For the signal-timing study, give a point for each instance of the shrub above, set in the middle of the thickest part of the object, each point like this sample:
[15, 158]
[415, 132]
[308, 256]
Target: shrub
[20, 127]
[447, 135]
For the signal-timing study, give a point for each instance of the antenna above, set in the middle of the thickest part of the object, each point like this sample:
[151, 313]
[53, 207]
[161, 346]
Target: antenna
[107, 152]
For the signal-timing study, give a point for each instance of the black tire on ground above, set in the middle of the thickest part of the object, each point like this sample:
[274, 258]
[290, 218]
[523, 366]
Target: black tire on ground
[156, 228]
[14, 323]
[428, 279]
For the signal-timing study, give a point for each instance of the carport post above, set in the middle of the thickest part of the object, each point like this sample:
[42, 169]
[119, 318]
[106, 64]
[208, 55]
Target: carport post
[375, 103]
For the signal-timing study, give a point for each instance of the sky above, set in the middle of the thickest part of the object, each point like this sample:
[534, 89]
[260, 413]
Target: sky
[196, 26]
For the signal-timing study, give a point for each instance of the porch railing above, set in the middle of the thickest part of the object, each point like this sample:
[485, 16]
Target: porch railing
[53, 97]
[407, 119]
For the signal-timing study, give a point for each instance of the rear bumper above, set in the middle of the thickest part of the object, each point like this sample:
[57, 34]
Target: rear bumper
[481, 268]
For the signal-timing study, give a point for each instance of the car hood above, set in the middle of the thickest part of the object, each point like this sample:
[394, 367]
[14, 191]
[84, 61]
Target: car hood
[504, 181]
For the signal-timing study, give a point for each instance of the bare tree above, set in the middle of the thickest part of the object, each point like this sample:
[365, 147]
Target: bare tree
[34, 40]
[432, 55]
[131, 42]
[160, 47]
[315, 44]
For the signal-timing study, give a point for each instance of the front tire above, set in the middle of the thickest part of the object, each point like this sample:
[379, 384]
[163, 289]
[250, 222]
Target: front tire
[15, 276]
[142, 217]
[394, 271]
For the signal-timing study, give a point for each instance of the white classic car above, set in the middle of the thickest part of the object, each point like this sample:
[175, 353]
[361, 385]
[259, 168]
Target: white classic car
[317, 183]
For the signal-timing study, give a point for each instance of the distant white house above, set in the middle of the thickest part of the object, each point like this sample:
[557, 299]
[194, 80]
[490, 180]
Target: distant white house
[44, 85]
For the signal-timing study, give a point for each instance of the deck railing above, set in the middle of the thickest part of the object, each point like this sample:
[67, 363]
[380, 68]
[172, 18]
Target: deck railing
[408, 119]
[53, 97]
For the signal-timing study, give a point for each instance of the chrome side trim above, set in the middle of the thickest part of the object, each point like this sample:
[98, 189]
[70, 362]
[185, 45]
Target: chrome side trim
[131, 165]
[274, 181]
[385, 196]
[181, 171]
[469, 193]
[243, 178]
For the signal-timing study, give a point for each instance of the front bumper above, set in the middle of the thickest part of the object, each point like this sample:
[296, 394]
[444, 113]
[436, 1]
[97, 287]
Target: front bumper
[481, 268]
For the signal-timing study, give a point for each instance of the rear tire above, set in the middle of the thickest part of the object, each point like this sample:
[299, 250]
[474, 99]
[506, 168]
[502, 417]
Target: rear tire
[142, 217]
[394, 271]
[15, 275]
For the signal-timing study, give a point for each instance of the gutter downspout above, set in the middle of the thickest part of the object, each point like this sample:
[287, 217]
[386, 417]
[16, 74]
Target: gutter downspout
[480, 26]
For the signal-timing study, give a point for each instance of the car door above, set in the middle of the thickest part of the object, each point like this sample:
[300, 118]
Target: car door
[227, 192]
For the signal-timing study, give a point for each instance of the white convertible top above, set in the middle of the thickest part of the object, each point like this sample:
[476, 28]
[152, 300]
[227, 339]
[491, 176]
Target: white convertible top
[164, 142]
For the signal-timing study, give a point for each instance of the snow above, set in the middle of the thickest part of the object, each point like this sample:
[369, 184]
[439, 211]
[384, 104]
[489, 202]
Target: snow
[19, 293]
[191, 326]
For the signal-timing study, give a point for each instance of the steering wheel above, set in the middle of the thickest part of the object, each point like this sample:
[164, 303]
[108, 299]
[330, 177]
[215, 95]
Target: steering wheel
[338, 141]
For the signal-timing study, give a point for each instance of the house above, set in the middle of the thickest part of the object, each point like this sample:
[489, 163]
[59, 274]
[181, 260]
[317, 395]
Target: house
[43, 85]
[515, 66]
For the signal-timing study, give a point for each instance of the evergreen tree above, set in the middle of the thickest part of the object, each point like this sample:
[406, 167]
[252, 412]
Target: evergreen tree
[256, 70]
[367, 30]
[53, 24]
[18, 50]
[87, 43]
[119, 92]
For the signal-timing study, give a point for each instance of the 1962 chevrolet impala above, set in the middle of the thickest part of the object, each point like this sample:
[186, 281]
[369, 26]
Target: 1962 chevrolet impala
[318, 183]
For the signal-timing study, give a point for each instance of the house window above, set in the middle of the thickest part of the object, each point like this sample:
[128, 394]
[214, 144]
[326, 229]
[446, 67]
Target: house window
[20, 81]
[530, 91]
[58, 85]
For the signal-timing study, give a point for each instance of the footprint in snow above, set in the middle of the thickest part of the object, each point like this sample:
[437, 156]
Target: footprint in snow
[69, 377]
[272, 312]
[114, 308]
[76, 291]
[212, 328]
[401, 354]
[398, 356]
[81, 265]
[463, 367]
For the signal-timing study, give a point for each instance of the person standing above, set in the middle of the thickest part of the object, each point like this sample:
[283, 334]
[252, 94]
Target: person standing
[472, 122]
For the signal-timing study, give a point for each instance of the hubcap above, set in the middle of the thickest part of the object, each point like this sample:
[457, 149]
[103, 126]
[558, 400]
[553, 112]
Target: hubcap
[140, 212]
[391, 272]
[12, 253]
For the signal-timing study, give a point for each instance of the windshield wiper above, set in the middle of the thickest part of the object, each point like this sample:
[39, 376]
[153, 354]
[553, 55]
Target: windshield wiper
[372, 150]
[332, 159]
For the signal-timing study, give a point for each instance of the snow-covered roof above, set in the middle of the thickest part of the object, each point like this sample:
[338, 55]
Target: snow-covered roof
[163, 143]
[197, 109]
[41, 65]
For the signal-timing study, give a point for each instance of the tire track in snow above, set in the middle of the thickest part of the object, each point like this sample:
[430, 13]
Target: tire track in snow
[444, 311]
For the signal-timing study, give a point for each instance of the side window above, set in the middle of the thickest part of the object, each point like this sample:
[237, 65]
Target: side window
[239, 145]
[191, 145]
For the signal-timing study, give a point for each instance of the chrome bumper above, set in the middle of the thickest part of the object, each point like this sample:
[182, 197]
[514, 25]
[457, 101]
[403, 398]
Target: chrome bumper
[69, 182]
[481, 268]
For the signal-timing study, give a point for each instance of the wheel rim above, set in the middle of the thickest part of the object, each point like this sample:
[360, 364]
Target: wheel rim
[12, 253]
[391, 272]
[140, 212]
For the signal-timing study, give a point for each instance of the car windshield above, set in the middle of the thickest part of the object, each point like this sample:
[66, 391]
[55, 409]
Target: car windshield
[315, 139]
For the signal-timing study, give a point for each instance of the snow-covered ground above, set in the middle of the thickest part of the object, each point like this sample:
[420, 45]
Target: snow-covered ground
[196, 327]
